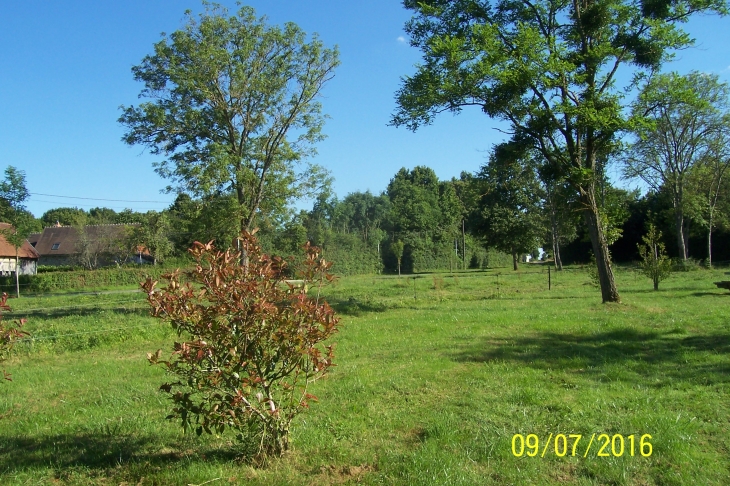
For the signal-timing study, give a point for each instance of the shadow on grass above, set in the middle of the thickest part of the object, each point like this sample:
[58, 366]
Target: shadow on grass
[100, 452]
[664, 290]
[657, 355]
[714, 294]
[81, 312]
[356, 307]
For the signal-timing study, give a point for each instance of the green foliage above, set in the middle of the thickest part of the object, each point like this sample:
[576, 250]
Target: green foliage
[292, 237]
[509, 214]
[397, 248]
[82, 279]
[352, 256]
[234, 110]
[654, 261]
[154, 235]
[425, 215]
[592, 269]
[681, 124]
[97, 246]
[13, 194]
[12, 190]
[560, 211]
[204, 219]
[64, 216]
[360, 212]
[79, 217]
[8, 335]
[253, 342]
[414, 199]
[550, 69]
[614, 209]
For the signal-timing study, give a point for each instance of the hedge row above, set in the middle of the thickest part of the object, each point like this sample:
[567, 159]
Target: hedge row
[81, 279]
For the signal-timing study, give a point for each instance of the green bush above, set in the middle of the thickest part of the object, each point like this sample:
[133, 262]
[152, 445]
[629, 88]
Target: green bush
[81, 279]
[352, 256]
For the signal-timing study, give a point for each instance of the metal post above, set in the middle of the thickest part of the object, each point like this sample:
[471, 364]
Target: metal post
[549, 282]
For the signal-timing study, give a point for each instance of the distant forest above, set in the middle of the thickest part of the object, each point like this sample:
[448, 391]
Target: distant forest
[479, 220]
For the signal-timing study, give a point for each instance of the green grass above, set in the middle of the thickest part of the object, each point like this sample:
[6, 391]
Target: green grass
[428, 390]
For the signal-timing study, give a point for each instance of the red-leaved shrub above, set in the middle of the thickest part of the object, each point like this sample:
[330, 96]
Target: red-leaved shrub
[8, 335]
[253, 341]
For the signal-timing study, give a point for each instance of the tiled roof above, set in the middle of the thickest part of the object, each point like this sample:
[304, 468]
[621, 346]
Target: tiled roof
[33, 238]
[67, 237]
[8, 250]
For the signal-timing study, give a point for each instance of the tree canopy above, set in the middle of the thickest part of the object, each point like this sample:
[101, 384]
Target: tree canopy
[233, 107]
[13, 193]
[681, 124]
[549, 68]
[510, 214]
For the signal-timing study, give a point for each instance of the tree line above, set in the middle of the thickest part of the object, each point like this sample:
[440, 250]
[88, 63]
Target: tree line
[232, 106]
[493, 217]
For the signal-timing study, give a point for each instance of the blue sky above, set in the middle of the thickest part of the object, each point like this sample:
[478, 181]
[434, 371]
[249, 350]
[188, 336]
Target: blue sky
[65, 70]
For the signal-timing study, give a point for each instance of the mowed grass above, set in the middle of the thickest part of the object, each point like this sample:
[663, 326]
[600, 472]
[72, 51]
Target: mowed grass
[428, 389]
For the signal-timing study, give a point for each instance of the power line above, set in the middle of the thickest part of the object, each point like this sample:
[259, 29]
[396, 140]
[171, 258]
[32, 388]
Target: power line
[95, 199]
[97, 205]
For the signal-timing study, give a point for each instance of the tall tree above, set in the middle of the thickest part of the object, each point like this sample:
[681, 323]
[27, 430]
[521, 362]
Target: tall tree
[681, 121]
[13, 194]
[365, 212]
[559, 206]
[64, 216]
[319, 221]
[414, 198]
[710, 182]
[510, 207]
[547, 67]
[234, 109]
[424, 213]
[397, 249]
[154, 235]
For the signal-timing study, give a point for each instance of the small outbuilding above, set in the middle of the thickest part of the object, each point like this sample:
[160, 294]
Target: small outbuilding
[27, 256]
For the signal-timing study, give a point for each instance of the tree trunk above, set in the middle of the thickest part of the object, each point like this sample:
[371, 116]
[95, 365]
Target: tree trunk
[17, 274]
[679, 227]
[463, 243]
[556, 256]
[556, 241]
[655, 252]
[514, 260]
[609, 292]
[709, 242]
[451, 259]
[244, 255]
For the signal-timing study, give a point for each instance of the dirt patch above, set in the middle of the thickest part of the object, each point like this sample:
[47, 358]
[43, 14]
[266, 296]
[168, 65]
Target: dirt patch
[342, 474]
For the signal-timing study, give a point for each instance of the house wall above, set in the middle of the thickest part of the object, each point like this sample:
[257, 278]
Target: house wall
[27, 266]
[56, 260]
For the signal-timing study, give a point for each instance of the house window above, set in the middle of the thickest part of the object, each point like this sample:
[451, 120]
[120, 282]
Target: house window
[55, 246]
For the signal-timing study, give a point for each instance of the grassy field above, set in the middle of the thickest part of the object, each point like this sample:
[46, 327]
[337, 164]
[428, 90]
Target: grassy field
[435, 377]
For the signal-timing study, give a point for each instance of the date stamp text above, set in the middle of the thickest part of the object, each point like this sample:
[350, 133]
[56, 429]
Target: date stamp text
[600, 445]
